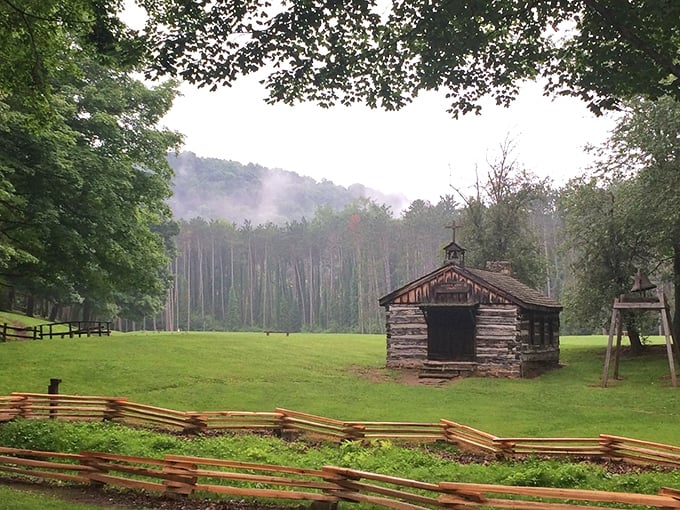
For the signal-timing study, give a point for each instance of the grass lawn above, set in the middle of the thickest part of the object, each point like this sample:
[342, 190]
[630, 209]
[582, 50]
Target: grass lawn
[18, 499]
[343, 376]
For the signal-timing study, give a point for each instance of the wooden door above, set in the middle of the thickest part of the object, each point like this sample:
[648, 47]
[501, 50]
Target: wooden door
[450, 333]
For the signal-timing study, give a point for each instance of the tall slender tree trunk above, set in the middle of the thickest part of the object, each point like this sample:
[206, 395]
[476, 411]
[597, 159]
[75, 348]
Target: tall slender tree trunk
[188, 265]
[676, 291]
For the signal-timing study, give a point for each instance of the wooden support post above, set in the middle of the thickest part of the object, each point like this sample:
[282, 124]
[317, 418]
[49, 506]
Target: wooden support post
[4, 332]
[617, 352]
[607, 358]
[668, 333]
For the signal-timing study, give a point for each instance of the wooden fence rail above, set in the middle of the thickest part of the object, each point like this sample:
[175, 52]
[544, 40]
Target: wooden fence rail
[286, 421]
[69, 329]
[176, 474]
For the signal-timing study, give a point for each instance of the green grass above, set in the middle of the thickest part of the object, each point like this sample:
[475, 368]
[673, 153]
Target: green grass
[17, 499]
[326, 375]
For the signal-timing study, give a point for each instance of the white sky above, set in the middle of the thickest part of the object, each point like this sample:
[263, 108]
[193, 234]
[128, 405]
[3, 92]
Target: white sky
[416, 152]
[410, 152]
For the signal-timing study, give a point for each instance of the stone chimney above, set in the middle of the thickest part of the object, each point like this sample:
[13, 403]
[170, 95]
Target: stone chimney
[499, 266]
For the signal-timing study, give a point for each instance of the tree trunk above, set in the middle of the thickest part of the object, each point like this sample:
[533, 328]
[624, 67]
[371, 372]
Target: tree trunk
[676, 292]
[54, 312]
[634, 337]
[30, 305]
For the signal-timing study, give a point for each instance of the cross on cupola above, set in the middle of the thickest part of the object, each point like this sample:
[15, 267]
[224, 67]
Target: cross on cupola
[455, 253]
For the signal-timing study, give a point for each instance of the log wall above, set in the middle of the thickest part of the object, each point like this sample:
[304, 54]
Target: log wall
[503, 343]
[406, 336]
[540, 343]
[498, 347]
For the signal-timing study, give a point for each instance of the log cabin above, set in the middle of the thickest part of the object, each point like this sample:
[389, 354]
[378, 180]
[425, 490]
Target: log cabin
[461, 321]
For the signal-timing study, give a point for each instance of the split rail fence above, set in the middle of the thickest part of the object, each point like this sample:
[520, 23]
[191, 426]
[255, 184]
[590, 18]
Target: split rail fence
[183, 475]
[286, 422]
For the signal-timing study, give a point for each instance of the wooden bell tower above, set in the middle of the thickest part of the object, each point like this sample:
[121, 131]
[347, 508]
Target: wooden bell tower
[640, 301]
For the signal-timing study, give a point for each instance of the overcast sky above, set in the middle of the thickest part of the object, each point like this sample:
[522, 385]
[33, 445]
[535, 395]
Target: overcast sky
[416, 152]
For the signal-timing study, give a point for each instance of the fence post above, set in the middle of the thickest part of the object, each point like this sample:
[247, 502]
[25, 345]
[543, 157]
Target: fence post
[607, 447]
[4, 332]
[90, 460]
[24, 406]
[53, 389]
[179, 476]
[114, 409]
[195, 423]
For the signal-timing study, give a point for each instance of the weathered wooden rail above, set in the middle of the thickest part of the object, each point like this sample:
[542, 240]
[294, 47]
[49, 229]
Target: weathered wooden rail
[70, 329]
[184, 475]
[287, 422]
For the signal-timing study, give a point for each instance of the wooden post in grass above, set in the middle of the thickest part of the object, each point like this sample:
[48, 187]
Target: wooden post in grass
[53, 389]
[4, 332]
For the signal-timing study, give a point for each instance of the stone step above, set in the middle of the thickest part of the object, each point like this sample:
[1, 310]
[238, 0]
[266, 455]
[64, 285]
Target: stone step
[447, 369]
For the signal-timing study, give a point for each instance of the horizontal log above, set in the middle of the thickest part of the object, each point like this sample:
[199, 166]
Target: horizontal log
[119, 481]
[294, 423]
[38, 453]
[155, 418]
[650, 455]
[243, 426]
[619, 439]
[344, 473]
[414, 436]
[47, 475]
[296, 414]
[237, 414]
[467, 428]
[539, 505]
[234, 464]
[557, 440]
[475, 445]
[558, 493]
[265, 493]
[377, 500]
[45, 464]
[464, 435]
[557, 451]
[328, 434]
[113, 457]
[267, 479]
[161, 411]
[387, 491]
[58, 396]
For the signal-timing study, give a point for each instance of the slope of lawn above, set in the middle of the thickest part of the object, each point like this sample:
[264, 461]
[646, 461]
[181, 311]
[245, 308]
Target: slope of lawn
[343, 376]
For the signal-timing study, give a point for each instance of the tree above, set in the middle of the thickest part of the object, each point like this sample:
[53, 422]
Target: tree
[496, 218]
[385, 54]
[343, 52]
[645, 148]
[606, 239]
[85, 220]
[628, 215]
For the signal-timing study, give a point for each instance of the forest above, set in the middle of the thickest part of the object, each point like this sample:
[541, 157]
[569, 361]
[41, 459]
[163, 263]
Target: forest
[86, 185]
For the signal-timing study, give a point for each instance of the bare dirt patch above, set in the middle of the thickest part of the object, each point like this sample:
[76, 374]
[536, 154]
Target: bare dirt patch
[406, 376]
[132, 500]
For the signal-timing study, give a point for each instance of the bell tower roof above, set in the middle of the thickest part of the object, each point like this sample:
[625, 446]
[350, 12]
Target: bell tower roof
[455, 253]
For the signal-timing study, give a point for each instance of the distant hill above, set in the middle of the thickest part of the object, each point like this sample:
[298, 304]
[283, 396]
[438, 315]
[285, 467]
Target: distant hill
[216, 188]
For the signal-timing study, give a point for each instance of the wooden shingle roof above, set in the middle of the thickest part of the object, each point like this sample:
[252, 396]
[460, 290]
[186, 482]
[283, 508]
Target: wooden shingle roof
[486, 287]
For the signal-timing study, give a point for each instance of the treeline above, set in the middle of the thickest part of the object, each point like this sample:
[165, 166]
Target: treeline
[325, 274]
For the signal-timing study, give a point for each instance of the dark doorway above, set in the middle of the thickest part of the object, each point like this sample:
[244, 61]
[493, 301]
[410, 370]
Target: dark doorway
[450, 333]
